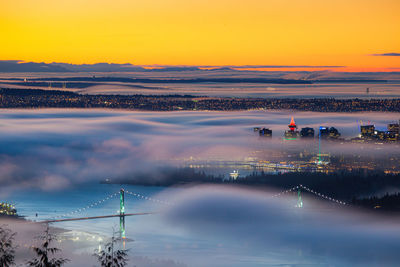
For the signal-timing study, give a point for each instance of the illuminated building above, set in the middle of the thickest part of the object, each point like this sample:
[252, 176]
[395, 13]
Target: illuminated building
[292, 133]
[328, 133]
[394, 127]
[265, 132]
[333, 133]
[367, 131]
[393, 132]
[292, 126]
[323, 132]
[381, 135]
[307, 132]
[392, 136]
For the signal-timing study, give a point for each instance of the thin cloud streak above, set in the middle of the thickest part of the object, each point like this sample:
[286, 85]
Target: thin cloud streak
[387, 55]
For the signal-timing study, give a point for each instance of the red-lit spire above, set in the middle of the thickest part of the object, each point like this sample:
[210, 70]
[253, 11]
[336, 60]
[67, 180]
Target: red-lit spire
[292, 125]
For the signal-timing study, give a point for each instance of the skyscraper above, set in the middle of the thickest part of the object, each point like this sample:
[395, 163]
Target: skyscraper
[292, 133]
[307, 132]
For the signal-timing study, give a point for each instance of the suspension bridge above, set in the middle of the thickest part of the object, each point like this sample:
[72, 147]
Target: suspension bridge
[67, 216]
[121, 214]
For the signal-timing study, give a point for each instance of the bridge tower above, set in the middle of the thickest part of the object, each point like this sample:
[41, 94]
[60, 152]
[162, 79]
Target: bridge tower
[122, 212]
[299, 200]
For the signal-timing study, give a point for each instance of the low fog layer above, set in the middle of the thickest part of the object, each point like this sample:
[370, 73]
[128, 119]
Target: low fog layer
[317, 234]
[54, 149]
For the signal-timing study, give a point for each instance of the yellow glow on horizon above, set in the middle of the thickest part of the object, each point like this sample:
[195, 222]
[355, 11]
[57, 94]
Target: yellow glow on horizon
[194, 32]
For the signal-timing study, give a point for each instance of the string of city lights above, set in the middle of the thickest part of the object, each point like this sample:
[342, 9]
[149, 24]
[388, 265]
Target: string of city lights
[92, 205]
[140, 196]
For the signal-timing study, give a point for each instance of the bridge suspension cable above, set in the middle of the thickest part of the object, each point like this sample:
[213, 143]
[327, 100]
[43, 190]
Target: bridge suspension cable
[92, 205]
[322, 195]
[140, 196]
[99, 202]
[285, 192]
[300, 186]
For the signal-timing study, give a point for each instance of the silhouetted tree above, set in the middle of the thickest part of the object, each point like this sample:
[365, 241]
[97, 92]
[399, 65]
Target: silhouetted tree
[44, 252]
[111, 257]
[7, 247]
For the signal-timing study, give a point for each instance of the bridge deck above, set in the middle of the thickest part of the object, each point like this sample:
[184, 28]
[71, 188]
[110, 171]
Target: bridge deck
[98, 217]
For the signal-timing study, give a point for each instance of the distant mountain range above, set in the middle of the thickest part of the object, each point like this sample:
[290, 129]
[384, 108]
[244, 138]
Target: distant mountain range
[190, 74]
[20, 66]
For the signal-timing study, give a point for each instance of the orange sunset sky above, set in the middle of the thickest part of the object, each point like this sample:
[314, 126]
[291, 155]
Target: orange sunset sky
[203, 32]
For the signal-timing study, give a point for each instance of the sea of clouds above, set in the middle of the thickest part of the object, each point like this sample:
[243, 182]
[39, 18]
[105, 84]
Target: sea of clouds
[54, 149]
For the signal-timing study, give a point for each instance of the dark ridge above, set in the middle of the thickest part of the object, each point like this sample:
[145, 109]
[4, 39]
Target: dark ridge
[195, 80]
[34, 92]
[53, 84]
[388, 202]
[14, 66]
[73, 84]
[345, 185]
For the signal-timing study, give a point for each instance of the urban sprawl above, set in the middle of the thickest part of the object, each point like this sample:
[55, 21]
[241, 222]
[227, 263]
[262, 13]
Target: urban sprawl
[38, 98]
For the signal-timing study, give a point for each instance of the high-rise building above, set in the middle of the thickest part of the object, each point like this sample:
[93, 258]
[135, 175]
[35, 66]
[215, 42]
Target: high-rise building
[307, 132]
[381, 135]
[367, 131]
[292, 125]
[265, 132]
[393, 133]
[292, 133]
[330, 133]
[323, 132]
[333, 133]
[394, 127]
[392, 136]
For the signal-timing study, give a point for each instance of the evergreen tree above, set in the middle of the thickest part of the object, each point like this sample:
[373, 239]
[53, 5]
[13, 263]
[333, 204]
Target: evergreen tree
[44, 252]
[7, 247]
[110, 256]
